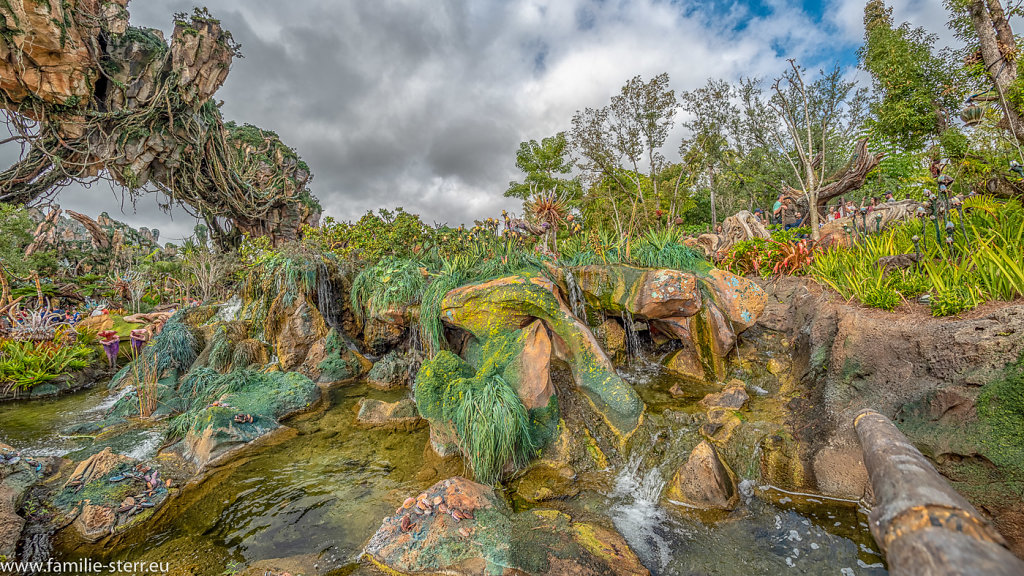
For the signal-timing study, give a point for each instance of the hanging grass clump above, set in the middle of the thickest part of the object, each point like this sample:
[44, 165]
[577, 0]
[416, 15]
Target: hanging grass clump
[489, 419]
[222, 350]
[175, 347]
[248, 352]
[493, 427]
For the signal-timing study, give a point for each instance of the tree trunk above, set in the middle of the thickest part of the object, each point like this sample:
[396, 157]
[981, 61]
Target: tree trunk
[1002, 71]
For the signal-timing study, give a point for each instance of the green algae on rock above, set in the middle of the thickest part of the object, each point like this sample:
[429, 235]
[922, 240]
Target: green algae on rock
[489, 309]
[461, 527]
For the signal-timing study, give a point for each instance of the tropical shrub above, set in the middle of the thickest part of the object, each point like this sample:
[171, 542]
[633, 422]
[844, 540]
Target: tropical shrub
[985, 261]
[25, 365]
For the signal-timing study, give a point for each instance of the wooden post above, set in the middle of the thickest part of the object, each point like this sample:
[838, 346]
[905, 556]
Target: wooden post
[921, 523]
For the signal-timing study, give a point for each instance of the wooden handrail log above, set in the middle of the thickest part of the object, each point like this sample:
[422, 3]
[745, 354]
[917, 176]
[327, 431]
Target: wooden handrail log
[923, 525]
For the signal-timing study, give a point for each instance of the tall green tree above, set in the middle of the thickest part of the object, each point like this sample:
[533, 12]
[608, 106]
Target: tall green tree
[620, 147]
[916, 88]
[545, 165]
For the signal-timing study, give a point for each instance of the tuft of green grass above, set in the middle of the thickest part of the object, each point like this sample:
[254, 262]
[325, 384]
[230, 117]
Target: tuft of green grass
[175, 347]
[493, 427]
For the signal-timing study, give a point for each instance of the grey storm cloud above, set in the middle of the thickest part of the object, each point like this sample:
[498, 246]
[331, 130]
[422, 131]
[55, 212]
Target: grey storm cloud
[423, 104]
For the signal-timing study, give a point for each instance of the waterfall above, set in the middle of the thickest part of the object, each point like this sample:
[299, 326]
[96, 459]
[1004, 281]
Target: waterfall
[637, 513]
[576, 300]
[325, 295]
[632, 338]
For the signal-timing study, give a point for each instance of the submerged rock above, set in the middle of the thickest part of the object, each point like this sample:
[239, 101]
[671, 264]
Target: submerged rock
[401, 415]
[733, 397]
[107, 493]
[705, 481]
[461, 527]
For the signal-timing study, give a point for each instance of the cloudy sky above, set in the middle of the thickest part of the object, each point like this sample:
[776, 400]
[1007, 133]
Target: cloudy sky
[422, 104]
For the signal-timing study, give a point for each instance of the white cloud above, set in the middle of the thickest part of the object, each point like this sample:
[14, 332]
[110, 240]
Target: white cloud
[423, 104]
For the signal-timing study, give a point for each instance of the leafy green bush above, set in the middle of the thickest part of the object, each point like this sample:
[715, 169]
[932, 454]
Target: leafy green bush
[25, 365]
[986, 261]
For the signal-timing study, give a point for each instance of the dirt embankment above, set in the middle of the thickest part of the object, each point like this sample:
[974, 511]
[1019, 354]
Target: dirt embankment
[928, 374]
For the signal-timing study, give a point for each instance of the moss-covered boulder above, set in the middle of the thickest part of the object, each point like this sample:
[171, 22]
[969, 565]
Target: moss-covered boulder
[394, 370]
[340, 362]
[463, 528]
[250, 410]
[491, 309]
[642, 292]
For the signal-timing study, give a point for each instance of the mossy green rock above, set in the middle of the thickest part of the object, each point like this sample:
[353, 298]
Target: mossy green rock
[394, 370]
[488, 538]
[641, 292]
[266, 397]
[490, 309]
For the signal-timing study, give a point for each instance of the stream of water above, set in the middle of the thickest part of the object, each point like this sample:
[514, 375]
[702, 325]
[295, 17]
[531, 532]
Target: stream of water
[317, 498]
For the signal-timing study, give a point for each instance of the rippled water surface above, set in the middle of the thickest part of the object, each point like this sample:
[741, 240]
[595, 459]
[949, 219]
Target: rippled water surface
[315, 499]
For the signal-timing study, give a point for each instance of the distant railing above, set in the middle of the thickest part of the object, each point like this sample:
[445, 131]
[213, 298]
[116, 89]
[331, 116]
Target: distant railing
[921, 523]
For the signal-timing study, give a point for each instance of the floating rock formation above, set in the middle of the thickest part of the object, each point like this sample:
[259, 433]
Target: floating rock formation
[119, 100]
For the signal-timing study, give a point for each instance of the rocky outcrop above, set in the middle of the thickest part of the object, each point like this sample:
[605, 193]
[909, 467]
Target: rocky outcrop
[705, 481]
[240, 418]
[108, 493]
[925, 373]
[674, 305]
[17, 475]
[462, 528]
[504, 305]
[737, 228]
[641, 292]
[395, 370]
[301, 327]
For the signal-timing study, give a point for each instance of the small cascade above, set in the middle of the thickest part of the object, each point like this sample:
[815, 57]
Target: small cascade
[325, 295]
[415, 344]
[632, 337]
[576, 299]
[637, 514]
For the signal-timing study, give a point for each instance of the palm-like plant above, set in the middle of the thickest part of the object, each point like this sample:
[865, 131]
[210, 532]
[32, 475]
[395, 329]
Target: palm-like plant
[548, 208]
